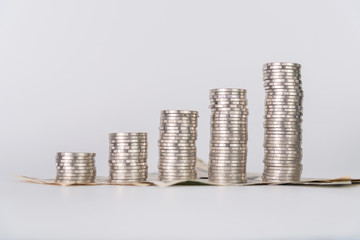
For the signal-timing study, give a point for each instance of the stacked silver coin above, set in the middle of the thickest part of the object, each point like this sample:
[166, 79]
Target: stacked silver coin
[75, 167]
[282, 123]
[177, 145]
[128, 157]
[229, 135]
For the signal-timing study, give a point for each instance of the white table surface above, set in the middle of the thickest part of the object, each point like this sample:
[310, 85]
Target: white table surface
[31, 211]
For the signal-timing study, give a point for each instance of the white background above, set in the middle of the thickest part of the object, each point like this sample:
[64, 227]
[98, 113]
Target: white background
[73, 71]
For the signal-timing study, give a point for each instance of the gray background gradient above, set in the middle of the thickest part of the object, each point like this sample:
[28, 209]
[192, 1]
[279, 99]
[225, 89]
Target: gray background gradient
[73, 71]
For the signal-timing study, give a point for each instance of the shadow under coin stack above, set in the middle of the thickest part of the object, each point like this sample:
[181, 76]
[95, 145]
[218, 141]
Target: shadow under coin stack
[177, 145]
[228, 144]
[128, 157]
[75, 167]
[282, 123]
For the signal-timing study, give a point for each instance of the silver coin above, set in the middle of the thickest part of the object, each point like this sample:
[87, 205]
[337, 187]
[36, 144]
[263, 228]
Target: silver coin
[74, 165]
[126, 162]
[127, 166]
[139, 148]
[176, 165]
[178, 119]
[179, 112]
[282, 79]
[231, 114]
[227, 157]
[228, 106]
[74, 158]
[269, 136]
[181, 175]
[135, 160]
[281, 163]
[217, 118]
[227, 160]
[284, 97]
[125, 181]
[227, 153]
[217, 90]
[120, 143]
[127, 134]
[281, 65]
[282, 172]
[241, 139]
[282, 153]
[172, 161]
[175, 144]
[214, 104]
[282, 129]
[228, 150]
[128, 174]
[179, 125]
[122, 171]
[185, 155]
[282, 123]
[284, 107]
[293, 102]
[174, 171]
[226, 176]
[227, 168]
[83, 161]
[269, 71]
[281, 145]
[227, 95]
[283, 84]
[60, 154]
[284, 160]
[76, 170]
[125, 156]
[284, 149]
[275, 143]
[176, 141]
[177, 159]
[177, 132]
[176, 178]
[216, 139]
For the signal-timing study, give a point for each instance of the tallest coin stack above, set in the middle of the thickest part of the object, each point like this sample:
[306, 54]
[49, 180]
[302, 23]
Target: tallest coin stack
[282, 122]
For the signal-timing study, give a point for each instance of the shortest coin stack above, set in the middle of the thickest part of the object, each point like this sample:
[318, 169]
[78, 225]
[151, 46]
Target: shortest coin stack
[128, 157]
[75, 167]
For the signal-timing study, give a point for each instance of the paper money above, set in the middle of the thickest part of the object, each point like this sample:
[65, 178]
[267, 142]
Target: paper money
[202, 179]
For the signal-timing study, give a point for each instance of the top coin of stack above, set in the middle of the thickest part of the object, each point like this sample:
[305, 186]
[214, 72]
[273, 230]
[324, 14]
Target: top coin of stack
[128, 157]
[75, 167]
[282, 123]
[177, 148]
[228, 144]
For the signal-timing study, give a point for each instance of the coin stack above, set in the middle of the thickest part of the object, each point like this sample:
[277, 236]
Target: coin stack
[282, 123]
[75, 167]
[128, 157]
[228, 144]
[177, 145]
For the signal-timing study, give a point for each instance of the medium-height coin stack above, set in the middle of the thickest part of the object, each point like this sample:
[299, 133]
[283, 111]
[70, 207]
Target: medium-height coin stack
[282, 123]
[177, 148]
[228, 144]
[128, 157]
[75, 167]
